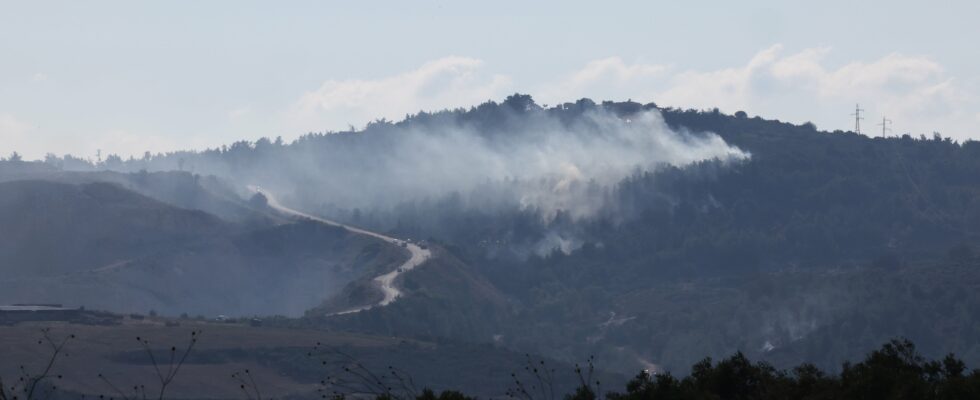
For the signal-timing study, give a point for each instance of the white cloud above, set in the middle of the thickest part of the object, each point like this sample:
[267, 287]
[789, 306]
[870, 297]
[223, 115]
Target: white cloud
[600, 78]
[39, 77]
[914, 91]
[444, 83]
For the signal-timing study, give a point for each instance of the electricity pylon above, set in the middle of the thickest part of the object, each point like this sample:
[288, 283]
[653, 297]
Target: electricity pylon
[884, 126]
[857, 118]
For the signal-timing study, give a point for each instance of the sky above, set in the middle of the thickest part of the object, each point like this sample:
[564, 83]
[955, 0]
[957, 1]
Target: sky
[127, 77]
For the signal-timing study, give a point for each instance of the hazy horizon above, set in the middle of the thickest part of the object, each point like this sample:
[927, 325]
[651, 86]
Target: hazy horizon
[127, 78]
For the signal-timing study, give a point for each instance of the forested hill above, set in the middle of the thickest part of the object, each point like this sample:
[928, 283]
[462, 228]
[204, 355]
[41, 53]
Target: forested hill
[803, 198]
[729, 233]
[806, 199]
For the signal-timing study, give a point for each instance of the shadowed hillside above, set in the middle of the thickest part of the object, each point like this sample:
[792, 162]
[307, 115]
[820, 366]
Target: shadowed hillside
[102, 246]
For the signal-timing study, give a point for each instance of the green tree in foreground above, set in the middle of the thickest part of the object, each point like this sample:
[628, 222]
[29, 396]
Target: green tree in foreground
[895, 371]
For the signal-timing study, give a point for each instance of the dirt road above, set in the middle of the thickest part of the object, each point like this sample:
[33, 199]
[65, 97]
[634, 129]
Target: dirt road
[386, 282]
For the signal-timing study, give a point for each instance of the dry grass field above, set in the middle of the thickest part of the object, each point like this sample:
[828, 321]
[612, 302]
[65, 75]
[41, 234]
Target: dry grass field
[277, 359]
[110, 351]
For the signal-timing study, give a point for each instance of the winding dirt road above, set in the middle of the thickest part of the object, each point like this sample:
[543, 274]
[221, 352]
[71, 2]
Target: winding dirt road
[385, 282]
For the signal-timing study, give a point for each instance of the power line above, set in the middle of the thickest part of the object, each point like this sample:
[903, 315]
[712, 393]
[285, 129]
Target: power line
[857, 118]
[885, 122]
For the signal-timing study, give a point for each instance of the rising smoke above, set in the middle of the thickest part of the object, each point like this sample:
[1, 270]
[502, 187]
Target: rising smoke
[541, 163]
[546, 161]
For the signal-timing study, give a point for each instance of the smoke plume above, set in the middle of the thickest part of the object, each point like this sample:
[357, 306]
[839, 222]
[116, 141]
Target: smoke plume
[540, 163]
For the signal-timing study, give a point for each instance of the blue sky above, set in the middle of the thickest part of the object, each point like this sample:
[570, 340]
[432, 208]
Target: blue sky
[127, 77]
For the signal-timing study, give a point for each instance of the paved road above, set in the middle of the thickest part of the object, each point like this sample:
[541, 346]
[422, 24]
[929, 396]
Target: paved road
[385, 282]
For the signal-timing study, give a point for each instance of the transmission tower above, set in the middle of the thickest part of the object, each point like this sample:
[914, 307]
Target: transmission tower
[857, 118]
[885, 122]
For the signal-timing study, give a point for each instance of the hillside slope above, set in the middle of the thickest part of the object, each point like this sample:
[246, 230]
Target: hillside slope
[443, 298]
[177, 188]
[102, 246]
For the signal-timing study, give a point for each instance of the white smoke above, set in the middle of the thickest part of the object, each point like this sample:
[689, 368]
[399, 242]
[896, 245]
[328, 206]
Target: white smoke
[562, 164]
[542, 164]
